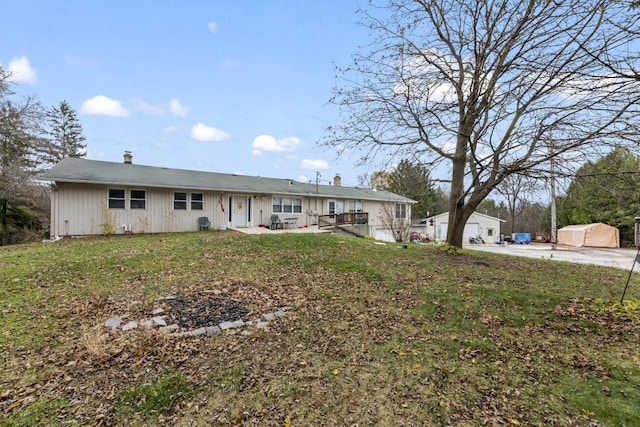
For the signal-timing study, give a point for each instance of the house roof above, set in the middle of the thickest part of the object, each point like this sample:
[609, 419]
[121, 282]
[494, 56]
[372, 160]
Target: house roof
[475, 213]
[127, 174]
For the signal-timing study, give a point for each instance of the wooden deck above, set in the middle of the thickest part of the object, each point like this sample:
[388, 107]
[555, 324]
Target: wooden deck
[348, 218]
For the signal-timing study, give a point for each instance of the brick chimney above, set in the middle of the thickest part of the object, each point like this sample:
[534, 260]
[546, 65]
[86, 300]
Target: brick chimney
[128, 157]
[337, 181]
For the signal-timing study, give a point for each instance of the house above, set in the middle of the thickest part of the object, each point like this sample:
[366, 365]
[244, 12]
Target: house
[484, 226]
[92, 197]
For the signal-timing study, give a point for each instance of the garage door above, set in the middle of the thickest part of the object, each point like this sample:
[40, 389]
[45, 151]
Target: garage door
[384, 235]
[470, 230]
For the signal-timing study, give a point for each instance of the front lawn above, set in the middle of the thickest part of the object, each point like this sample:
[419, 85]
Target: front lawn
[372, 335]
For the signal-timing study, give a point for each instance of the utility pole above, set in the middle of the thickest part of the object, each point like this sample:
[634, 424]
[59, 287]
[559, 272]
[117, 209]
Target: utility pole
[554, 226]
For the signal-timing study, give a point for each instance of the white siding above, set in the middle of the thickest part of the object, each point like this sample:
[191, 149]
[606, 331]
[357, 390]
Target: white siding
[81, 209]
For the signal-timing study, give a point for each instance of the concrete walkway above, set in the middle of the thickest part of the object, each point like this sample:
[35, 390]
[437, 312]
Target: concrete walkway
[617, 258]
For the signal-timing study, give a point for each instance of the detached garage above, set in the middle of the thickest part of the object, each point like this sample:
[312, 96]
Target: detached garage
[596, 235]
[485, 226]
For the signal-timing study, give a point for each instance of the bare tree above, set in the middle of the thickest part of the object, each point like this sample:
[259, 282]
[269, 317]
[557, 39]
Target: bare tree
[395, 220]
[485, 86]
[21, 148]
[515, 188]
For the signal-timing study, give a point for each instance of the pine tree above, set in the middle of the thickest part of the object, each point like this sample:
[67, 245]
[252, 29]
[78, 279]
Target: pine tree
[65, 132]
[413, 180]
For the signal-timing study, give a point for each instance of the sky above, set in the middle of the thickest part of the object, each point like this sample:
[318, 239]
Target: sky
[232, 86]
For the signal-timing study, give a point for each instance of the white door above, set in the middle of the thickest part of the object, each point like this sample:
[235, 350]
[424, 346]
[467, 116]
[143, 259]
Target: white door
[470, 230]
[239, 211]
[442, 235]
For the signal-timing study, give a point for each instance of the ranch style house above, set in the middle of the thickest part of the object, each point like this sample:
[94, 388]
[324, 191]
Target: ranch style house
[90, 197]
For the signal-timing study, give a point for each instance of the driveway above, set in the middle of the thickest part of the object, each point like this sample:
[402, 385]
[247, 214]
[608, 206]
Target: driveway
[618, 258]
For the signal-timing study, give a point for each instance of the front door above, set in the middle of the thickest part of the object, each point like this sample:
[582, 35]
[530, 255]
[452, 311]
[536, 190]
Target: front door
[240, 211]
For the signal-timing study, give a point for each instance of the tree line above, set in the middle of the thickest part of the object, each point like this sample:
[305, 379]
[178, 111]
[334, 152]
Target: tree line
[32, 137]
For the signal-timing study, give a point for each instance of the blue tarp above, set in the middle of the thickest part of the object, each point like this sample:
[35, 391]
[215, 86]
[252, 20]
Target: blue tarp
[522, 238]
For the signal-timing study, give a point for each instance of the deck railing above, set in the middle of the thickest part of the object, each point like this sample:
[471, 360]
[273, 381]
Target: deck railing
[347, 218]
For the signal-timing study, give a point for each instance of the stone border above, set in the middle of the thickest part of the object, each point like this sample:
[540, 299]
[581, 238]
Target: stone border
[157, 321]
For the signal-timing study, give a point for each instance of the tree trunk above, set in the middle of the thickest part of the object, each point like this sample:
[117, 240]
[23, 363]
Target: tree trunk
[457, 220]
[3, 224]
[458, 209]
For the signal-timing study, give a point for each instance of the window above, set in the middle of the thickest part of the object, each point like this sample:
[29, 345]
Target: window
[116, 198]
[286, 205]
[401, 211]
[197, 203]
[277, 205]
[137, 199]
[490, 232]
[179, 201]
[355, 205]
[297, 205]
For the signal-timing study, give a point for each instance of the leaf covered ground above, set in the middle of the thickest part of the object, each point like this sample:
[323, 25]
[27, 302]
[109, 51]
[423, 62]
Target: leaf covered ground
[373, 335]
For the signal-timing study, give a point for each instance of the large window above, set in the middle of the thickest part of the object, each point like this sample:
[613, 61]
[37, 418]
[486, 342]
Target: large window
[137, 199]
[286, 205]
[179, 201]
[183, 200]
[401, 211]
[355, 205]
[197, 201]
[342, 206]
[116, 198]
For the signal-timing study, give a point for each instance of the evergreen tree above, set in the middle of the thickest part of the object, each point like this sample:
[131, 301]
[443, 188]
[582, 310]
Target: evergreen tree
[412, 180]
[606, 191]
[65, 132]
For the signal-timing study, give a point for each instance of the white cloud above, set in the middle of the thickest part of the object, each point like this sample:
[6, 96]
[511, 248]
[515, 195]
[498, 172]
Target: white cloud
[303, 178]
[314, 164]
[22, 71]
[202, 132]
[269, 143]
[177, 109]
[171, 129]
[213, 27]
[154, 110]
[101, 105]
[174, 107]
[256, 152]
[448, 146]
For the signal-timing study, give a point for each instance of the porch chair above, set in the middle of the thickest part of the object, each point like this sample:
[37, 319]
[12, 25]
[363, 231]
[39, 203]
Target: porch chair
[204, 223]
[276, 222]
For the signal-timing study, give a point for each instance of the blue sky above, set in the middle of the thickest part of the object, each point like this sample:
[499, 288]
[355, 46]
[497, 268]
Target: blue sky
[235, 86]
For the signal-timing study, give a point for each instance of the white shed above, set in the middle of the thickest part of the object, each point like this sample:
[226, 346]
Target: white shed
[484, 226]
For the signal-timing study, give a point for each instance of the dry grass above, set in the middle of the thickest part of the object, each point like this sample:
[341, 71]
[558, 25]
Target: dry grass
[375, 336]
